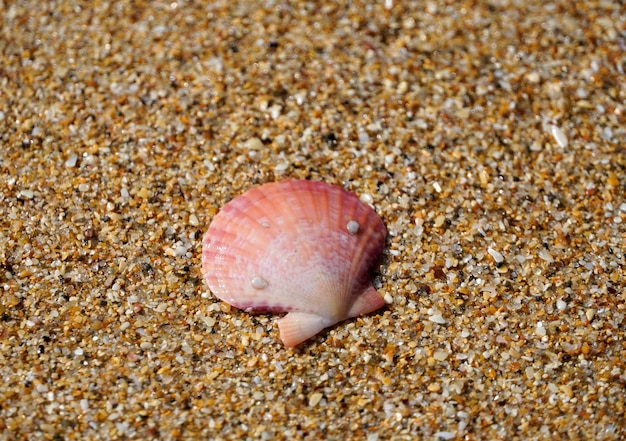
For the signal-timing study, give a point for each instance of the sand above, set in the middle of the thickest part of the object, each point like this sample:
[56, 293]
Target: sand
[489, 136]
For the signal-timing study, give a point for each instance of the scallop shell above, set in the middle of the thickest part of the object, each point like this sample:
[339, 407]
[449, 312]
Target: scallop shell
[302, 247]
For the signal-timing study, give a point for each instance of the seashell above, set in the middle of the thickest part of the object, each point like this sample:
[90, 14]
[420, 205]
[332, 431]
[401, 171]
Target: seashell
[302, 247]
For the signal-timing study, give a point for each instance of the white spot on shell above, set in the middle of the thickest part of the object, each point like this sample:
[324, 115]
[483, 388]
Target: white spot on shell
[259, 282]
[353, 227]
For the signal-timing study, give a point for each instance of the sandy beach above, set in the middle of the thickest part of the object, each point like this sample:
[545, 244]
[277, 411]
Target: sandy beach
[488, 135]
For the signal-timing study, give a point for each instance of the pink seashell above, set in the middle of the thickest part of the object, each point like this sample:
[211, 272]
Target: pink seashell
[301, 247]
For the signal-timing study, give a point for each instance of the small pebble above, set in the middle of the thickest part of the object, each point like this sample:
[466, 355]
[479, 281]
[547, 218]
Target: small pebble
[27, 194]
[315, 398]
[281, 169]
[558, 135]
[498, 257]
[441, 355]
[437, 318]
[434, 387]
[71, 161]
[540, 330]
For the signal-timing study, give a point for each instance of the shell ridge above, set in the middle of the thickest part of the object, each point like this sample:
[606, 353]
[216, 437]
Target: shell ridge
[340, 205]
[297, 327]
[225, 229]
[324, 199]
[369, 300]
[364, 246]
[310, 232]
[373, 240]
[245, 210]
